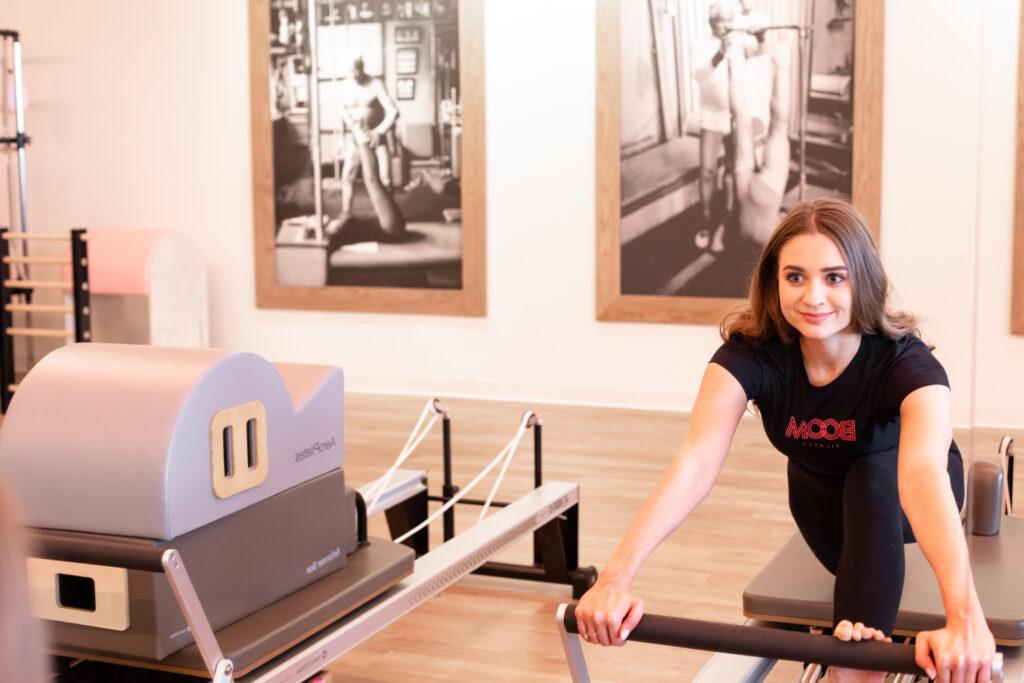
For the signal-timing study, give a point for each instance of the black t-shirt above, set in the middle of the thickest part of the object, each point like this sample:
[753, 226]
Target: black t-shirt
[826, 428]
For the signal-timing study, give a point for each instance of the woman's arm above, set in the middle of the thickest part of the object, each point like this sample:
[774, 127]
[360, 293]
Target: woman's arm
[925, 435]
[608, 609]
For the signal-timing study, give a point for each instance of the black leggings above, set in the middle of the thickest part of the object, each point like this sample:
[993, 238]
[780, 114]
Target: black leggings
[855, 526]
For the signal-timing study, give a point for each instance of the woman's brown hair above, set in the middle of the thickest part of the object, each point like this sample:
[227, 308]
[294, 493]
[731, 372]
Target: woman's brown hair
[761, 319]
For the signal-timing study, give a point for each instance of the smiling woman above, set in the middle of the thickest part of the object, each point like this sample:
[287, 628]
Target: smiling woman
[851, 395]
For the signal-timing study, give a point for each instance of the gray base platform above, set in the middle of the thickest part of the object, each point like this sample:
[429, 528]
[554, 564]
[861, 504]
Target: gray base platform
[270, 631]
[794, 588]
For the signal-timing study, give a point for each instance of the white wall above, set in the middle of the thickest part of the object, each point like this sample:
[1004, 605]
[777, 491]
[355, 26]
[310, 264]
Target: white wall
[139, 114]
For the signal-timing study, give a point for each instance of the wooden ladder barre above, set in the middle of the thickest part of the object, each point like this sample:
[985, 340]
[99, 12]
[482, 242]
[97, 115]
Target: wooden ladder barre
[38, 308]
[38, 284]
[39, 260]
[40, 332]
[39, 236]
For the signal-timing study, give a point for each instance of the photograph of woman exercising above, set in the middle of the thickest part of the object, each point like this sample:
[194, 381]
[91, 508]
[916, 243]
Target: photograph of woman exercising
[846, 389]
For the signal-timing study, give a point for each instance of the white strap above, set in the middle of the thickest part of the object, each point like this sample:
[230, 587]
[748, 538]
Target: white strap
[381, 485]
[505, 453]
[511, 448]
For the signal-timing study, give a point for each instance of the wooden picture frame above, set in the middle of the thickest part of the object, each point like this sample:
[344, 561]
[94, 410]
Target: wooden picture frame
[1017, 281]
[470, 298]
[612, 304]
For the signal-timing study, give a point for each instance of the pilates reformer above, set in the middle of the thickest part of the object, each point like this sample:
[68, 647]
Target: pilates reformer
[793, 594]
[129, 591]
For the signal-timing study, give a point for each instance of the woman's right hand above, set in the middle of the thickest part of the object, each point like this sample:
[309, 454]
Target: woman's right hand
[607, 613]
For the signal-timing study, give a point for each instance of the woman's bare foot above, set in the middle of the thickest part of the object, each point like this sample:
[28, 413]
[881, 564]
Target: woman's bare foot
[846, 630]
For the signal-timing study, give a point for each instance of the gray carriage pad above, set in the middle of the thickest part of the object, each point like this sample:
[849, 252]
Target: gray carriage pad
[795, 588]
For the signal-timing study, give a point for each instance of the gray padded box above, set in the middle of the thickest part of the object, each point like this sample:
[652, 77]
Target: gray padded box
[129, 440]
[232, 461]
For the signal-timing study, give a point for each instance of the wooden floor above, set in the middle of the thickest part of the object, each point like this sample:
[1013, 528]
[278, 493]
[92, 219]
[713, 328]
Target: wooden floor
[494, 629]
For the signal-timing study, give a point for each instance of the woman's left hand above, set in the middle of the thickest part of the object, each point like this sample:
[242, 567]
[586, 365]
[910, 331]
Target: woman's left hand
[957, 653]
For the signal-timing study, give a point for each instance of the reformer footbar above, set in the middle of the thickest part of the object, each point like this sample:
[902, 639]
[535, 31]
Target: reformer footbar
[752, 641]
[774, 643]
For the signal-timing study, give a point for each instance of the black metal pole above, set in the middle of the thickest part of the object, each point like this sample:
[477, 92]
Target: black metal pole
[361, 538]
[538, 479]
[538, 469]
[6, 320]
[447, 488]
[772, 643]
[80, 286]
[1009, 473]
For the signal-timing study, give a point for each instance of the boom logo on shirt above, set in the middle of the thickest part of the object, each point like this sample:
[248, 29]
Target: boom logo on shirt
[823, 429]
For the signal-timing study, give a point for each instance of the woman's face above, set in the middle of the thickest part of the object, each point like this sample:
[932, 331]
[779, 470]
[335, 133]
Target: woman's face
[814, 287]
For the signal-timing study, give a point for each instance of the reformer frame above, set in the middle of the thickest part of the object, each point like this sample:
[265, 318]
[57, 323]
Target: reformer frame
[545, 511]
[434, 572]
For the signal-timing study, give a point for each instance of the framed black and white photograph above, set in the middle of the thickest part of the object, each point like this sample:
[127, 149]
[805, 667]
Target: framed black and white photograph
[368, 158]
[714, 118]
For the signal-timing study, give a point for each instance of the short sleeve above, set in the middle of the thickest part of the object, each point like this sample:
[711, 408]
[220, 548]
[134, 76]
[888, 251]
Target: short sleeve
[914, 367]
[742, 363]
